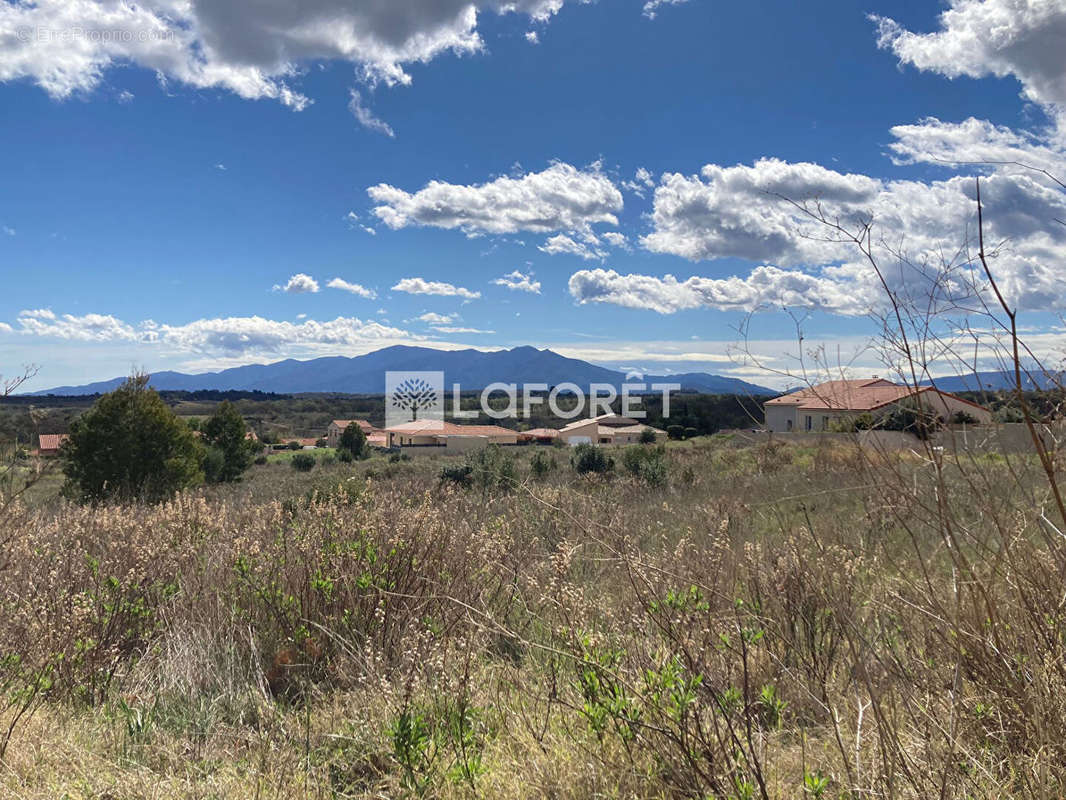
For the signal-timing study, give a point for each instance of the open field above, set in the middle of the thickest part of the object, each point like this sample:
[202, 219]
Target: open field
[774, 621]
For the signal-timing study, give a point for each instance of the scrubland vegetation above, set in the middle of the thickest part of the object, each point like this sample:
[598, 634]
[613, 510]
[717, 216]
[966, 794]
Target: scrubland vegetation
[712, 619]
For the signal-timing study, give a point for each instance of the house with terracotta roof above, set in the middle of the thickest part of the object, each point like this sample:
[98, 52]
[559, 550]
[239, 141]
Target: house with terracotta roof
[48, 444]
[338, 426]
[420, 433]
[833, 404]
[606, 429]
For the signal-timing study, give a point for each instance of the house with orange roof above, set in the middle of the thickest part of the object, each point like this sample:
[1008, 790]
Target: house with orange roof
[48, 444]
[607, 429]
[449, 435]
[833, 404]
[336, 429]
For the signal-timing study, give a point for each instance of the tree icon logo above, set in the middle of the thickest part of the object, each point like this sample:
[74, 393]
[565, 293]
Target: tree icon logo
[414, 397]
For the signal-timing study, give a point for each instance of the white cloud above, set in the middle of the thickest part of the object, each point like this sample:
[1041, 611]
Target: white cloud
[651, 8]
[615, 239]
[125, 96]
[563, 244]
[764, 286]
[87, 328]
[5, 328]
[369, 230]
[433, 318]
[366, 117]
[1023, 38]
[422, 286]
[519, 281]
[734, 211]
[918, 228]
[560, 198]
[642, 181]
[450, 329]
[68, 46]
[220, 167]
[977, 142]
[532, 37]
[298, 284]
[353, 288]
[233, 336]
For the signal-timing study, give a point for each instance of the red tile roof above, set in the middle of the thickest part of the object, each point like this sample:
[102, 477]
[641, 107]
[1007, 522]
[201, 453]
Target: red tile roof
[541, 433]
[51, 441]
[362, 423]
[852, 395]
[424, 428]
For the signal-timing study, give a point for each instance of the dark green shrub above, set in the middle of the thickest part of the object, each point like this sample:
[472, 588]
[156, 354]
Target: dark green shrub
[646, 463]
[260, 460]
[912, 417]
[541, 464]
[320, 442]
[963, 418]
[492, 468]
[354, 441]
[303, 462]
[675, 431]
[345, 456]
[130, 446]
[588, 458]
[459, 474]
[647, 436]
[230, 452]
[294, 445]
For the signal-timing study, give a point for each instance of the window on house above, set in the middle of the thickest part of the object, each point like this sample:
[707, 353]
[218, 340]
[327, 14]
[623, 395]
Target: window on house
[825, 423]
[807, 423]
[788, 425]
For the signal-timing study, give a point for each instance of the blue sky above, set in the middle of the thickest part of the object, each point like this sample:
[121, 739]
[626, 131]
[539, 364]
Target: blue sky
[185, 202]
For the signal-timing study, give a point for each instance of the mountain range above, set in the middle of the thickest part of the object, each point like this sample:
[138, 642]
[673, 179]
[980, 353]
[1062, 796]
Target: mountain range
[471, 369]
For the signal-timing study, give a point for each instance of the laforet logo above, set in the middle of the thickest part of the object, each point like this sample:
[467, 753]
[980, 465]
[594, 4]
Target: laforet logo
[414, 397]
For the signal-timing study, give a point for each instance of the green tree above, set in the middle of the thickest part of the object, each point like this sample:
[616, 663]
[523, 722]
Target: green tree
[130, 446]
[230, 452]
[354, 441]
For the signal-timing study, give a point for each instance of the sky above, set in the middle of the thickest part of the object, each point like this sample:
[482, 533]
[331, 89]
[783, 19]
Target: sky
[193, 185]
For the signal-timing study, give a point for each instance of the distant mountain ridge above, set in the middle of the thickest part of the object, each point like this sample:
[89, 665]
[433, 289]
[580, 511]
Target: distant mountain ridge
[471, 369]
[997, 380]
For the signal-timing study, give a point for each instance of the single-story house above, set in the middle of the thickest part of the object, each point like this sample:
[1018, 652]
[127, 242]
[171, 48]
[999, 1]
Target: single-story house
[539, 435]
[607, 429]
[48, 444]
[418, 433]
[338, 426]
[835, 404]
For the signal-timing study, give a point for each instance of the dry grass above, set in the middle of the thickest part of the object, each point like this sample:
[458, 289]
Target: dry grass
[776, 621]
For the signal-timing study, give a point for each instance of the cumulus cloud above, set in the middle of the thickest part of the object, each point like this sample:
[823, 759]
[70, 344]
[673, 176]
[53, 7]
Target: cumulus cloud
[532, 37]
[563, 244]
[519, 281]
[67, 46]
[737, 211]
[87, 328]
[352, 288]
[560, 198]
[976, 142]
[366, 117]
[230, 336]
[977, 38]
[298, 284]
[422, 286]
[432, 318]
[765, 285]
[615, 239]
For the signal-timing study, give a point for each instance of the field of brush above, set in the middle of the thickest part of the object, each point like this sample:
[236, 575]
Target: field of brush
[743, 621]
